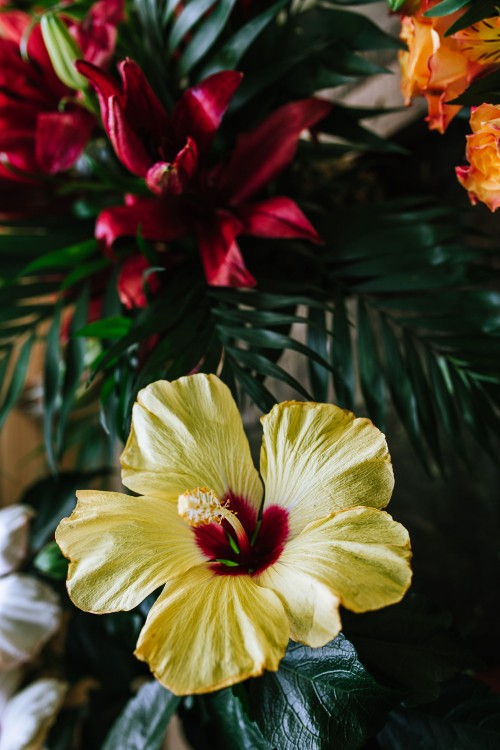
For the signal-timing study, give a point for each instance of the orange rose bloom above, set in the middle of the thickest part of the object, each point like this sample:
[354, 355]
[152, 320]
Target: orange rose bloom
[482, 178]
[436, 66]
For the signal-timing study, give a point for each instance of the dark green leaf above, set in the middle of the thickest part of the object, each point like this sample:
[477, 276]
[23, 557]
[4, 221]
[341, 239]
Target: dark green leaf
[106, 328]
[144, 721]
[17, 381]
[51, 384]
[342, 355]
[321, 698]
[370, 369]
[206, 35]
[317, 340]
[234, 728]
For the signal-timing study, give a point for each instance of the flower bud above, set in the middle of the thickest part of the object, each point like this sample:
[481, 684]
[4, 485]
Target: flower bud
[63, 51]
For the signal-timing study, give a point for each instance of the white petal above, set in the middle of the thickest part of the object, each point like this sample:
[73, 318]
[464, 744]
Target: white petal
[29, 715]
[9, 682]
[13, 536]
[29, 615]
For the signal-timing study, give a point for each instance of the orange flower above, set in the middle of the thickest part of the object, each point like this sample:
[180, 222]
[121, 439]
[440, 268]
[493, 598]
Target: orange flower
[440, 67]
[482, 178]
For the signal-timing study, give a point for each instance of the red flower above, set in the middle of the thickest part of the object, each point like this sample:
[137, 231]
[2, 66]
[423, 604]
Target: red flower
[216, 204]
[167, 151]
[35, 135]
[132, 279]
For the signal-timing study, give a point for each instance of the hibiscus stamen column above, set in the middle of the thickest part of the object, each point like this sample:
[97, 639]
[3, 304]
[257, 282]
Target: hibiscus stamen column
[201, 506]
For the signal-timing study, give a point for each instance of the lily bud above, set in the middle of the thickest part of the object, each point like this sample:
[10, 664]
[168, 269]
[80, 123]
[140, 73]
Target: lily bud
[63, 52]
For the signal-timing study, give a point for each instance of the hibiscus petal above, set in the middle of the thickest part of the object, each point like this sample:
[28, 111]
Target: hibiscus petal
[220, 254]
[13, 536]
[311, 607]
[29, 615]
[261, 154]
[317, 459]
[60, 138]
[278, 217]
[189, 434]
[155, 218]
[201, 108]
[30, 714]
[206, 632]
[362, 554]
[122, 548]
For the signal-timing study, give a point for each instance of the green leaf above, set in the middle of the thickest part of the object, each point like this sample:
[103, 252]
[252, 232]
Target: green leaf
[51, 384]
[205, 36]
[465, 718]
[342, 356]
[233, 726]
[74, 365]
[51, 562]
[143, 723]
[106, 328]
[190, 15]
[410, 646]
[67, 257]
[230, 54]
[18, 377]
[446, 7]
[321, 698]
[317, 340]
[370, 369]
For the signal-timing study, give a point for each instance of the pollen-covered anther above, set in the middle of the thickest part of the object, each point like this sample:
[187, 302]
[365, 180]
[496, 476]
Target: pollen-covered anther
[201, 506]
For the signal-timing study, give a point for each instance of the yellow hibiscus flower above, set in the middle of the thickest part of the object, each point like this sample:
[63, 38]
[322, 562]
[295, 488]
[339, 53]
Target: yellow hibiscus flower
[240, 576]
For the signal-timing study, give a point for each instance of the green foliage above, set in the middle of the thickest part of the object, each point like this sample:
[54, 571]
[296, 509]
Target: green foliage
[143, 723]
[466, 716]
[320, 698]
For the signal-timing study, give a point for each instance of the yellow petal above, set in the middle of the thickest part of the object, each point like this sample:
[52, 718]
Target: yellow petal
[188, 434]
[209, 631]
[311, 607]
[122, 548]
[362, 554]
[317, 459]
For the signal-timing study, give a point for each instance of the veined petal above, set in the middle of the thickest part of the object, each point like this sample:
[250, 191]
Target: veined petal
[220, 254]
[311, 607]
[209, 631]
[13, 536]
[189, 434]
[201, 108]
[122, 548]
[29, 615]
[30, 714]
[277, 217]
[362, 554]
[317, 459]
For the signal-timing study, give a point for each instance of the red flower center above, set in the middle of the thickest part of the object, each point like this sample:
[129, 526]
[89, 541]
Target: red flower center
[266, 539]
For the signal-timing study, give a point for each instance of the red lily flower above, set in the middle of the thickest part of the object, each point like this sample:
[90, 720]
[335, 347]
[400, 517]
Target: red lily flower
[167, 151]
[35, 136]
[222, 203]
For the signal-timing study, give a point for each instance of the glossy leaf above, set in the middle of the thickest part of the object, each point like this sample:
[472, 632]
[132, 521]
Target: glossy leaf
[320, 698]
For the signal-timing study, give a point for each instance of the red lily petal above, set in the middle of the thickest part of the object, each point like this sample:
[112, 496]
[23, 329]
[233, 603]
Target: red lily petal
[157, 219]
[275, 218]
[13, 24]
[126, 143]
[261, 154]
[165, 178]
[201, 108]
[220, 254]
[131, 281]
[104, 85]
[60, 138]
[142, 107]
